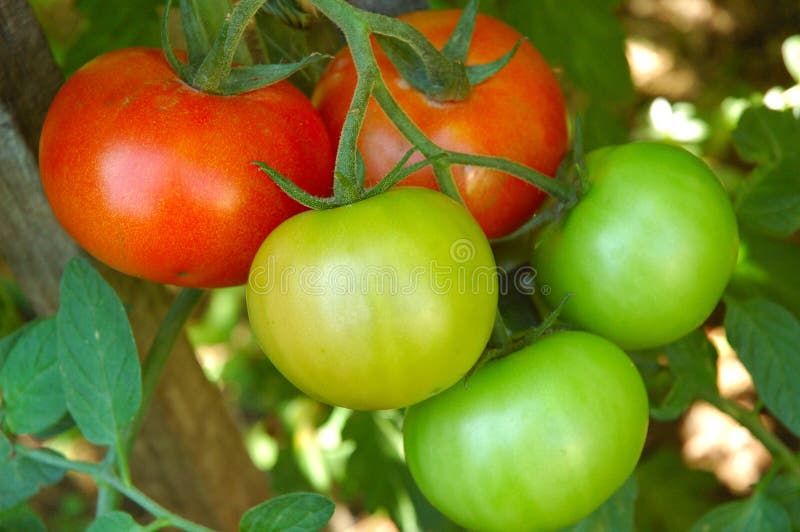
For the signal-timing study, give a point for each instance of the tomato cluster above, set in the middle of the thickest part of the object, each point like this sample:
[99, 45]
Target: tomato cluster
[389, 301]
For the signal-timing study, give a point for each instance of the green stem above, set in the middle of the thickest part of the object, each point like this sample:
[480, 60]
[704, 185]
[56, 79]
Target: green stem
[102, 476]
[752, 422]
[500, 335]
[159, 352]
[122, 462]
[357, 26]
[217, 65]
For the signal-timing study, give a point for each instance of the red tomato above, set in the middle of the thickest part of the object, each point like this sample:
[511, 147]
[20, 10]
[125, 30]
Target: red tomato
[155, 178]
[518, 114]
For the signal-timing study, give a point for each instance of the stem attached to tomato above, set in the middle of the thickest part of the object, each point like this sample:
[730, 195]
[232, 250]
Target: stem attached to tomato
[357, 26]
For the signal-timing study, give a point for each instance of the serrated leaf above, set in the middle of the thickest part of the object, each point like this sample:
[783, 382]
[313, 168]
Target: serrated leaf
[615, 514]
[115, 521]
[294, 512]
[97, 356]
[756, 513]
[31, 382]
[692, 362]
[766, 337]
[21, 519]
[766, 137]
[21, 478]
[771, 202]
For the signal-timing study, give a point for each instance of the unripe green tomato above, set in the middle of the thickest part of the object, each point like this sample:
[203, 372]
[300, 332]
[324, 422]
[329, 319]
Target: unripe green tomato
[647, 251]
[533, 441]
[378, 304]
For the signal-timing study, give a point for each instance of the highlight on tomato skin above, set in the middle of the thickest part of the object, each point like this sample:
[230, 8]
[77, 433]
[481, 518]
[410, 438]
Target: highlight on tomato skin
[518, 114]
[156, 179]
[375, 305]
[648, 250]
[535, 440]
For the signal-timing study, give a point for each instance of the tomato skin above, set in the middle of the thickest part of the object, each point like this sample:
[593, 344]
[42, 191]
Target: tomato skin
[534, 441]
[155, 178]
[378, 304]
[648, 250]
[518, 114]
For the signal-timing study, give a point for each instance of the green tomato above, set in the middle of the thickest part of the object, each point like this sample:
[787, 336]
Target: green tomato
[378, 304]
[534, 441]
[647, 251]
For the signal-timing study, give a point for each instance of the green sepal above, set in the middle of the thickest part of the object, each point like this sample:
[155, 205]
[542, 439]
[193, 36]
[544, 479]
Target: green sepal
[289, 12]
[420, 63]
[248, 78]
[210, 67]
[182, 69]
[197, 40]
[457, 45]
[295, 192]
[480, 73]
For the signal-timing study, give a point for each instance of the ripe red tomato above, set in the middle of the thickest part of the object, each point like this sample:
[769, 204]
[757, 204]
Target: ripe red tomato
[518, 114]
[155, 178]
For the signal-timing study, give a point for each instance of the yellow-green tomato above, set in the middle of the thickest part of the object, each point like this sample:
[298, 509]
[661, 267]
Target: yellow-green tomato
[378, 304]
[647, 251]
[534, 441]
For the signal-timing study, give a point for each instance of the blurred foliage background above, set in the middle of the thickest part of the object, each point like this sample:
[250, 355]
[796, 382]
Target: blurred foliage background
[676, 70]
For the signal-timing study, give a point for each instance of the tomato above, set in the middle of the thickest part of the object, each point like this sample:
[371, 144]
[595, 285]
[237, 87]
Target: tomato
[648, 250]
[534, 441]
[518, 114]
[155, 178]
[378, 304]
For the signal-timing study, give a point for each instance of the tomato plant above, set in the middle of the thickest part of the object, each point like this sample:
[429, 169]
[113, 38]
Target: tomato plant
[648, 250]
[532, 441]
[518, 114]
[378, 304]
[155, 178]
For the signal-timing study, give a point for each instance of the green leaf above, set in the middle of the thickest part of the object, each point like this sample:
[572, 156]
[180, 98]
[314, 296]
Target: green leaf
[115, 521]
[31, 381]
[756, 513]
[766, 337]
[7, 342]
[671, 495]
[21, 478]
[766, 137]
[692, 362]
[97, 356]
[376, 473]
[112, 24]
[770, 203]
[21, 518]
[295, 512]
[569, 33]
[785, 489]
[767, 267]
[614, 514]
